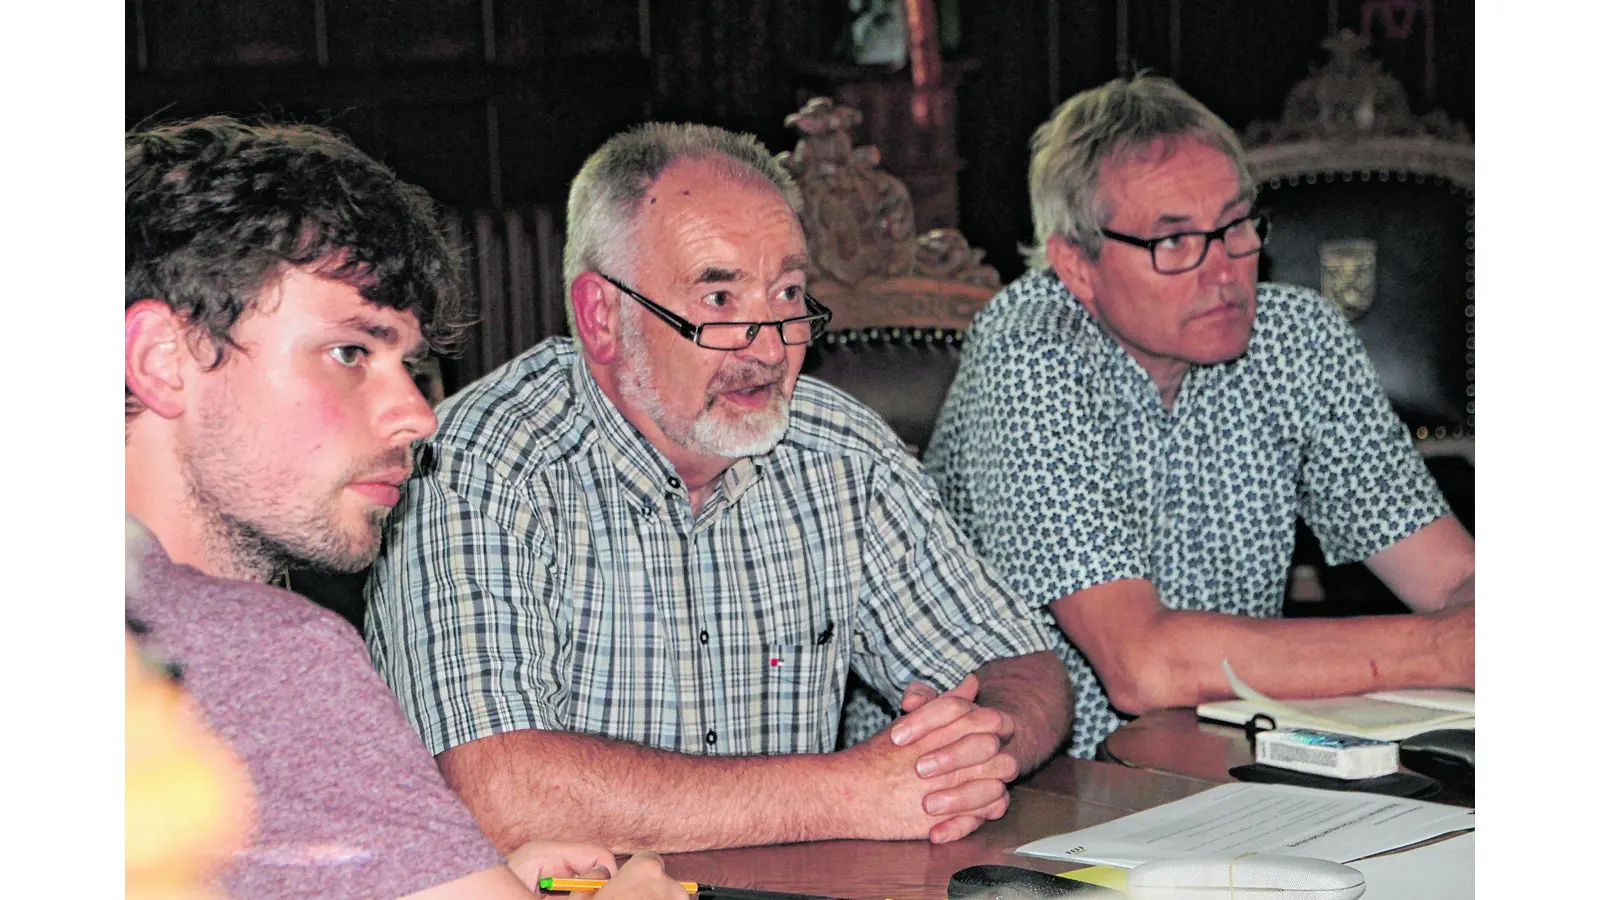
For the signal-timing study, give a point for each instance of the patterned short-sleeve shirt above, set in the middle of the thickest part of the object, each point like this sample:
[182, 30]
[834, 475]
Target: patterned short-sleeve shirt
[1056, 455]
[544, 570]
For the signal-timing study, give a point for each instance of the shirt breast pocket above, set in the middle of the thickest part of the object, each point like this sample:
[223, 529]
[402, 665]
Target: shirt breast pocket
[798, 702]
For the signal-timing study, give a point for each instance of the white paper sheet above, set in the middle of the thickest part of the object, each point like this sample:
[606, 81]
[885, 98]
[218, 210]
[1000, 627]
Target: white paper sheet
[1273, 818]
[1441, 871]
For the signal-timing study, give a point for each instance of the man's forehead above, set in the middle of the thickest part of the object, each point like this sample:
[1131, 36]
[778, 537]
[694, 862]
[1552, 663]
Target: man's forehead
[1168, 171]
[707, 225]
[336, 302]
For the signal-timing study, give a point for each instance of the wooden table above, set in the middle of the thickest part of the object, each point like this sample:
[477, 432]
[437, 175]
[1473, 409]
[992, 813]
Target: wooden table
[1065, 795]
[1177, 742]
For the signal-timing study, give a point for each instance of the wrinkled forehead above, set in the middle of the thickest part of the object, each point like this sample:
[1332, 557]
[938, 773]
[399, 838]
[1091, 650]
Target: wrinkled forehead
[1168, 165]
[704, 217]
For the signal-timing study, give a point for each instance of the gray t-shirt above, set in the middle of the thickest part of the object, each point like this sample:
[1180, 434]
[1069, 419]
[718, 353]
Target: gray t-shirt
[349, 804]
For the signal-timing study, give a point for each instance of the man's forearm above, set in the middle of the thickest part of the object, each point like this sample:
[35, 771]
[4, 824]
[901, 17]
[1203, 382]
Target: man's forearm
[1464, 593]
[539, 784]
[1035, 691]
[1300, 658]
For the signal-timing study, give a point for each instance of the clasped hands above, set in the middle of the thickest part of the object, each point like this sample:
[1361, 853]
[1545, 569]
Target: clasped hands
[944, 763]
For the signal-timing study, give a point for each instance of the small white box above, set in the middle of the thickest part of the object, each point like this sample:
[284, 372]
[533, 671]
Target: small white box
[1325, 753]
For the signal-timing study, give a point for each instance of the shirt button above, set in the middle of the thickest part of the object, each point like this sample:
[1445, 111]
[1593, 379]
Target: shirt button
[674, 482]
[705, 638]
[711, 738]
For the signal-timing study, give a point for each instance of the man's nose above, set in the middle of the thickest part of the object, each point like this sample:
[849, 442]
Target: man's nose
[768, 346]
[408, 415]
[1218, 267]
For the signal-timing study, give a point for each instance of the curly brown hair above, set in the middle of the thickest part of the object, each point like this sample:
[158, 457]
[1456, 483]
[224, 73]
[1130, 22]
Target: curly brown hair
[216, 209]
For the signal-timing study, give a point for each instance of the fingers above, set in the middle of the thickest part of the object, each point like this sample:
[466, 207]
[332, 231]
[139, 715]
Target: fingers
[953, 829]
[968, 750]
[646, 859]
[935, 713]
[958, 827]
[968, 797]
[536, 859]
[598, 859]
[967, 689]
[644, 875]
[920, 692]
[916, 695]
[966, 741]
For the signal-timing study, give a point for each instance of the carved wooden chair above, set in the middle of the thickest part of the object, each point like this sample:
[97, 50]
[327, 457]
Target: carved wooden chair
[1373, 206]
[901, 301]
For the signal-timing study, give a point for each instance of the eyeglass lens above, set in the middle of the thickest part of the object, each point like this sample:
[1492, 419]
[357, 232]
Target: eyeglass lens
[739, 335]
[1185, 251]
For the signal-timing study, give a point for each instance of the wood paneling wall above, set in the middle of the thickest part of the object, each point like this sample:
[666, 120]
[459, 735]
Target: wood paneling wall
[493, 104]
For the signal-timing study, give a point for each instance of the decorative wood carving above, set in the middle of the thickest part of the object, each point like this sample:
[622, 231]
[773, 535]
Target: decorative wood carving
[1351, 116]
[865, 254]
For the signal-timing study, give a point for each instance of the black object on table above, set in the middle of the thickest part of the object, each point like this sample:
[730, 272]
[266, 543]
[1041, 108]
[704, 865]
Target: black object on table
[1445, 754]
[1016, 883]
[1398, 784]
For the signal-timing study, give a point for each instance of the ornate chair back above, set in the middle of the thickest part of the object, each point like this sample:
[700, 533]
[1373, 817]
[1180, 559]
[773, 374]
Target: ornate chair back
[901, 300]
[1373, 206]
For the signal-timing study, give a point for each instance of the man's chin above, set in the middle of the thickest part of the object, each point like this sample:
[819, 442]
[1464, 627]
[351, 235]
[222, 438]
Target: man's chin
[356, 550]
[1226, 348]
[742, 437]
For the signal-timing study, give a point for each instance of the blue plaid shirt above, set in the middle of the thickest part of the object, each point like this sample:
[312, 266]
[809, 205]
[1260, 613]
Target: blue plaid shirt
[544, 570]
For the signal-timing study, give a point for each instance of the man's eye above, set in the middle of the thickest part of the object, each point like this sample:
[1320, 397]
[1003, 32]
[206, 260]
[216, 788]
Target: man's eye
[794, 293]
[1170, 242]
[719, 299]
[348, 355]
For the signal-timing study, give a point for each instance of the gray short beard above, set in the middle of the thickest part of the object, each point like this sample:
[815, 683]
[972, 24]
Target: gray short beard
[755, 435]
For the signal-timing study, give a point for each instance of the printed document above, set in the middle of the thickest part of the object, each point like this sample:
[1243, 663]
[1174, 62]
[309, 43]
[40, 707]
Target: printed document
[1244, 817]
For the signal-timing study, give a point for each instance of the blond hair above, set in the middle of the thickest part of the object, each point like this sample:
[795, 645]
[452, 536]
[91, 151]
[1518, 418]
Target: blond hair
[1102, 124]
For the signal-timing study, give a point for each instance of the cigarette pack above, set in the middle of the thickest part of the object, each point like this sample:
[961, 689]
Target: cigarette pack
[1325, 753]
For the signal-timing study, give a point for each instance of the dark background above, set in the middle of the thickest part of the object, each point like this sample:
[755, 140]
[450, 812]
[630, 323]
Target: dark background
[494, 104]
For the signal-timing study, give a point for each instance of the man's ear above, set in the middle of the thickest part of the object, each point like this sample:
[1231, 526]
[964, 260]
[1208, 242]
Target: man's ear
[1072, 266]
[595, 315]
[156, 351]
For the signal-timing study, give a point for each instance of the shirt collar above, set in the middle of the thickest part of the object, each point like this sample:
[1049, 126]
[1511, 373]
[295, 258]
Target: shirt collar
[647, 478]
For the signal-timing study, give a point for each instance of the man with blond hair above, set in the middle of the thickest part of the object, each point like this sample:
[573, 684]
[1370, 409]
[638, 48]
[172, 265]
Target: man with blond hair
[1136, 424]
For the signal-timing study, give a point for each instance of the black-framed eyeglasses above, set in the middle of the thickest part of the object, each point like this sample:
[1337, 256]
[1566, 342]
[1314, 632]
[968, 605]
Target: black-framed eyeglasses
[737, 335]
[1174, 254]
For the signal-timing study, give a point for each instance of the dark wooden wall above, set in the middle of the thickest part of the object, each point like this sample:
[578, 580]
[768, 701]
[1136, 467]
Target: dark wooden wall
[1239, 57]
[493, 104]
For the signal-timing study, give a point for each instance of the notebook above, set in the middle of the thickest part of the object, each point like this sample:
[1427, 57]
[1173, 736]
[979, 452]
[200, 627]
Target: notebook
[1381, 716]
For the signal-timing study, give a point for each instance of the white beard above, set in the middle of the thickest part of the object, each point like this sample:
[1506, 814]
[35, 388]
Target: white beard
[712, 431]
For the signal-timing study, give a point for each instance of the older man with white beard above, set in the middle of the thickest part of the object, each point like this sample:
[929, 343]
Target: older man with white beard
[637, 567]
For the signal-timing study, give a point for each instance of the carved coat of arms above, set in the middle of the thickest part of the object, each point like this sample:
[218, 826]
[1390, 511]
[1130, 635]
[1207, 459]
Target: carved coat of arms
[1350, 274]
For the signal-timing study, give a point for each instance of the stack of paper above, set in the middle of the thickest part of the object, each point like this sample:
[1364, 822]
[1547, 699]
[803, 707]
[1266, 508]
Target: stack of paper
[1340, 826]
[1441, 871]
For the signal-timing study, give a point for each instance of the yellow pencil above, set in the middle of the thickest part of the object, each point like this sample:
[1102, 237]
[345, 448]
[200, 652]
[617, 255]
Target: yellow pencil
[593, 884]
